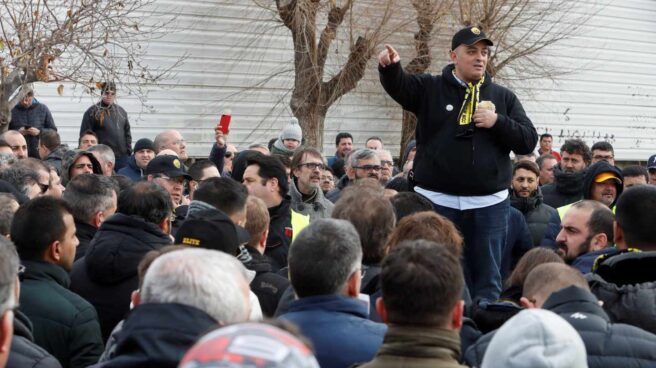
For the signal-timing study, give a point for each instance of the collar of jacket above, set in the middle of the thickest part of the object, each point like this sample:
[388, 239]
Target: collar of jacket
[448, 75]
[574, 299]
[45, 271]
[86, 230]
[283, 209]
[258, 263]
[421, 342]
[567, 182]
[343, 182]
[297, 196]
[330, 303]
[526, 204]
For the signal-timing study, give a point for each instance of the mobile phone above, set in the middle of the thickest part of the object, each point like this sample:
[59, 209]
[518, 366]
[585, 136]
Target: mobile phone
[27, 127]
[224, 122]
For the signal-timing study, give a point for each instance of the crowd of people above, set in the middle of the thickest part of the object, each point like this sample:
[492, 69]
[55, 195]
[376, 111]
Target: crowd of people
[114, 254]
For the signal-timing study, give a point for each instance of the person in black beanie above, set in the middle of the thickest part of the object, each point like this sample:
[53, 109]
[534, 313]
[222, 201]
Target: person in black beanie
[144, 151]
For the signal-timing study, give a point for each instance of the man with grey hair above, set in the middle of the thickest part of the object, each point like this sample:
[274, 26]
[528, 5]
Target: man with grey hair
[92, 199]
[324, 269]
[363, 163]
[185, 293]
[386, 166]
[8, 286]
[105, 156]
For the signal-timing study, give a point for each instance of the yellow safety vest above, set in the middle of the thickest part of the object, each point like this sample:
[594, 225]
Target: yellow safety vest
[299, 222]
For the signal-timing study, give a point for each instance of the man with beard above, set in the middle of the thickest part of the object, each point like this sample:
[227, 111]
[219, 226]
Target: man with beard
[526, 196]
[568, 174]
[586, 232]
[364, 163]
[304, 188]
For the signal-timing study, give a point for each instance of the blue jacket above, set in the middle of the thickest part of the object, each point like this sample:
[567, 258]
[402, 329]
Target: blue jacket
[131, 170]
[338, 328]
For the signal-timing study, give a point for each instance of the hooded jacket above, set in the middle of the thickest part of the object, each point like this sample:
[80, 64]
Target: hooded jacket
[479, 165]
[56, 157]
[606, 344]
[111, 125]
[158, 335]
[64, 324]
[567, 188]
[536, 213]
[131, 170]
[37, 115]
[24, 352]
[596, 169]
[625, 282]
[70, 157]
[316, 207]
[107, 275]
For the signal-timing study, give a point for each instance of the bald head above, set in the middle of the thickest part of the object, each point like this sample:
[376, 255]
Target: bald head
[16, 142]
[547, 278]
[171, 139]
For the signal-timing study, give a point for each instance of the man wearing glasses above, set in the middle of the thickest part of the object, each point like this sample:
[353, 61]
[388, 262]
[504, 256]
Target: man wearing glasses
[167, 171]
[305, 186]
[363, 163]
[110, 123]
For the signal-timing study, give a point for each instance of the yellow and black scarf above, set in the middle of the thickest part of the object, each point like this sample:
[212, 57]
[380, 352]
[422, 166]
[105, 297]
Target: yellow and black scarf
[472, 97]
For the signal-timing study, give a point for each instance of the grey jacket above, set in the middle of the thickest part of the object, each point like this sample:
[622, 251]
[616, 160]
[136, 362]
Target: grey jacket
[316, 207]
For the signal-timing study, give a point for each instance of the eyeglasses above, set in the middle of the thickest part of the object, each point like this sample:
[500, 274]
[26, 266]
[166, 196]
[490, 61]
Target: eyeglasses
[386, 163]
[600, 157]
[44, 187]
[312, 165]
[368, 167]
[326, 178]
[109, 93]
[178, 179]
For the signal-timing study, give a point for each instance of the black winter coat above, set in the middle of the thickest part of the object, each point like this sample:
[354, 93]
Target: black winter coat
[158, 335]
[479, 165]
[24, 352]
[280, 234]
[65, 325]
[535, 212]
[111, 125]
[56, 157]
[606, 344]
[267, 285]
[107, 275]
[85, 234]
[37, 116]
[567, 188]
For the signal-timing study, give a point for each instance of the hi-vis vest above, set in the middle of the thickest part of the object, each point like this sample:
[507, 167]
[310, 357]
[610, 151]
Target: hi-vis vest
[299, 222]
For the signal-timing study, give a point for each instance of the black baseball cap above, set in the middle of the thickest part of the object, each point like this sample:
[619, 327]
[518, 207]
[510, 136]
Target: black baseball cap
[212, 229]
[168, 165]
[651, 163]
[469, 36]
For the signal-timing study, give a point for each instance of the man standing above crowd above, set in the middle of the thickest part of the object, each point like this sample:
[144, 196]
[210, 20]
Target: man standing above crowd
[462, 162]
[29, 118]
[307, 197]
[568, 174]
[546, 144]
[110, 123]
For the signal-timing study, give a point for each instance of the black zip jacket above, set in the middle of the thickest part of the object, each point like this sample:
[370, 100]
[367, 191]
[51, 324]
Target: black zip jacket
[24, 352]
[479, 165]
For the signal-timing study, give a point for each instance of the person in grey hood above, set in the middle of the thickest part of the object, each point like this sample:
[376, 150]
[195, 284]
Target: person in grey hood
[304, 188]
[76, 162]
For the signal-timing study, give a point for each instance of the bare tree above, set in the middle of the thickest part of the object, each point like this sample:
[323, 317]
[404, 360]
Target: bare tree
[79, 41]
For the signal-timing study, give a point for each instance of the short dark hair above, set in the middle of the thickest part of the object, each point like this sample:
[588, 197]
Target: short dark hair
[342, 135]
[427, 225]
[526, 165]
[44, 214]
[528, 262]
[323, 257]
[540, 160]
[407, 203]
[545, 135]
[87, 194]
[636, 217]
[373, 217]
[374, 138]
[224, 194]
[21, 177]
[86, 132]
[577, 147]
[421, 282]
[146, 200]
[602, 146]
[601, 217]
[297, 159]
[271, 167]
[285, 160]
[196, 169]
[6, 212]
[635, 170]
[49, 138]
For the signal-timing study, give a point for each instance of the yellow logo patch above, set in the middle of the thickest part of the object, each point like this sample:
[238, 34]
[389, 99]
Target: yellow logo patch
[190, 241]
[176, 163]
[476, 31]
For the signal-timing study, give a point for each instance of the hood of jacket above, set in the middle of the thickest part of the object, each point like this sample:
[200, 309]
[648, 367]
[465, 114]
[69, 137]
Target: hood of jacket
[73, 155]
[569, 183]
[596, 169]
[158, 335]
[526, 204]
[121, 241]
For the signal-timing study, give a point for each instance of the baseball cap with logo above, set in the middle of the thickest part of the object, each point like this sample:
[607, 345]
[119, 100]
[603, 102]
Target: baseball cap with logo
[469, 36]
[211, 229]
[168, 165]
[651, 163]
[249, 345]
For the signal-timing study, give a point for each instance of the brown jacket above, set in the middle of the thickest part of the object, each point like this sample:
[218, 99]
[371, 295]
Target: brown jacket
[417, 347]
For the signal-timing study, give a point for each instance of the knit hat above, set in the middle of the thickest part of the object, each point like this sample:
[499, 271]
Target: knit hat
[249, 345]
[536, 338]
[144, 143]
[292, 131]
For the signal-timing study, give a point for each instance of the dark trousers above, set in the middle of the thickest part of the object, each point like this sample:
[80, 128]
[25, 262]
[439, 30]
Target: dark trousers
[485, 230]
